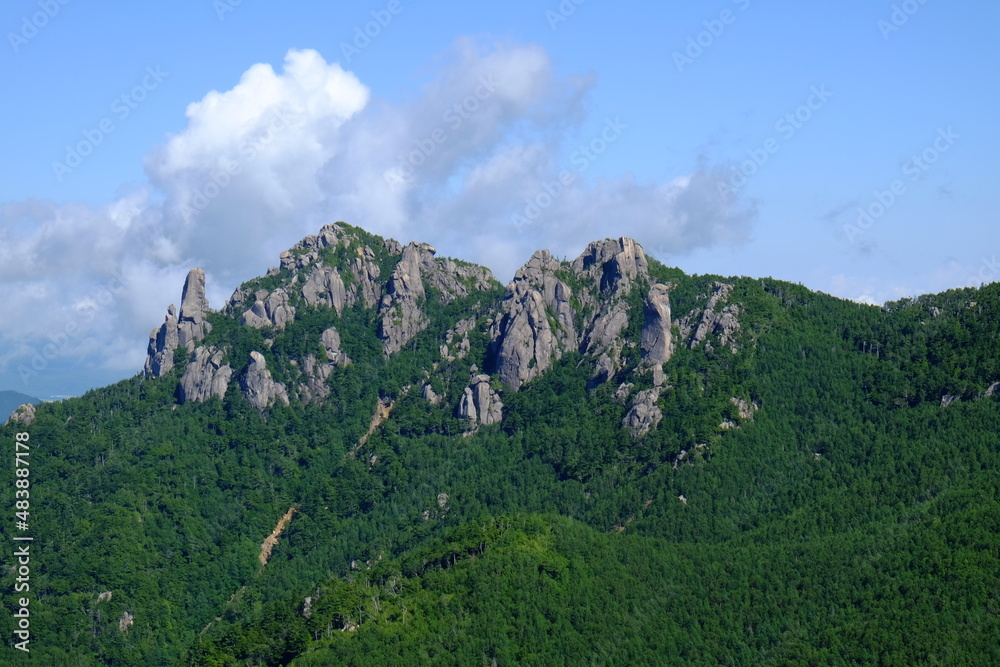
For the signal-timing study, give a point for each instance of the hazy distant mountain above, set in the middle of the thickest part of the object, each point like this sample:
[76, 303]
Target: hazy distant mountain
[373, 455]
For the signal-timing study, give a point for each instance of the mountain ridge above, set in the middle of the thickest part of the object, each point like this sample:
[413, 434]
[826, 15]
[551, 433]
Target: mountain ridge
[538, 470]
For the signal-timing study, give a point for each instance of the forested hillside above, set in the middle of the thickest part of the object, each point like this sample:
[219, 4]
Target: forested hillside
[606, 462]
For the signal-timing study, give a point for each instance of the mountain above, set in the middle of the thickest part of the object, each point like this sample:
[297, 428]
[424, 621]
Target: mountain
[11, 400]
[373, 455]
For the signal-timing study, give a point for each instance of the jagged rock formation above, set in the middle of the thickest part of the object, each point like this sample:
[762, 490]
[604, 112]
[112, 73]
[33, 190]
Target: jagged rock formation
[549, 309]
[481, 403]
[331, 342]
[183, 331]
[24, 414]
[524, 344]
[994, 388]
[539, 319]
[721, 322]
[657, 342]
[461, 329]
[269, 310]
[259, 387]
[400, 308]
[325, 287]
[205, 376]
[644, 415]
[191, 325]
[744, 408]
[314, 387]
[430, 396]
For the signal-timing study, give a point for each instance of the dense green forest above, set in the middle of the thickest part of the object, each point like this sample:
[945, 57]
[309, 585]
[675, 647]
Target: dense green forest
[852, 519]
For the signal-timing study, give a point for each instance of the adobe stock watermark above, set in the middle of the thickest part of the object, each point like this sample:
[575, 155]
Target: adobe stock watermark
[787, 126]
[562, 13]
[914, 168]
[222, 178]
[584, 156]
[714, 28]
[223, 7]
[121, 108]
[989, 271]
[363, 37]
[900, 16]
[455, 116]
[59, 340]
[32, 25]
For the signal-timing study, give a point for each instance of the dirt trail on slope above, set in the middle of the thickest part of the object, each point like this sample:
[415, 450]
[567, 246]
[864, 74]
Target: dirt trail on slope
[268, 546]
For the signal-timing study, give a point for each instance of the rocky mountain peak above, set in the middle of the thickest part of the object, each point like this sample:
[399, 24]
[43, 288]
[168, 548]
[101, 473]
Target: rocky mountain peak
[183, 331]
[614, 263]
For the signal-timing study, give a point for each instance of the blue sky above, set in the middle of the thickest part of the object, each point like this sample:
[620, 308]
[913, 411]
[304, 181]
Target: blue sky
[731, 137]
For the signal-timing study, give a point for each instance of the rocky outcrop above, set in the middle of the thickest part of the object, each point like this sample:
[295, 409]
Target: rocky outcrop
[523, 343]
[366, 286]
[179, 331]
[331, 343]
[325, 287]
[541, 316]
[614, 264]
[24, 415]
[657, 341]
[481, 403]
[948, 399]
[313, 388]
[430, 395]
[400, 312]
[259, 387]
[191, 324]
[535, 322]
[994, 388]
[269, 310]
[644, 414]
[450, 351]
[744, 408]
[162, 343]
[717, 319]
[205, 376]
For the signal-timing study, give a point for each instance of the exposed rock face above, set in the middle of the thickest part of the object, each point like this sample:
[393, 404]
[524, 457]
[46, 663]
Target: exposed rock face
[430, 396]
[603, 371]
[644, 414]
[269, 310]
[462, 328]
[745, 408]
[314, 389]
[331, 342]
[366, 286]
[538, 319]
[657, 342]
[524, 343]
[613, 263]
[325, 287]
[721, 321]
[24, 414]
[400, 311]
[994, 388]
[480, 403]
[162, 343]
[126, 621]
[191, 325]
[259, 387]
[948, 399]
[205, 376]
[179, 331]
